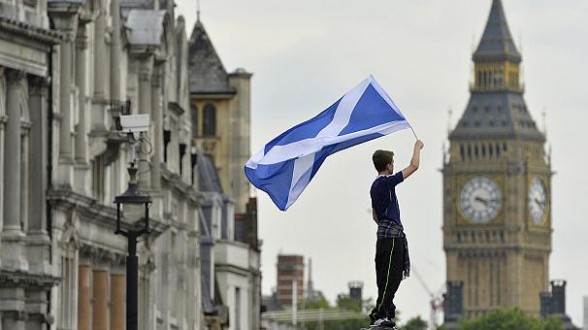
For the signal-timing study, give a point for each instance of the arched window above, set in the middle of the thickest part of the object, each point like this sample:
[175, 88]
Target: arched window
[209, 120]
[194, 114]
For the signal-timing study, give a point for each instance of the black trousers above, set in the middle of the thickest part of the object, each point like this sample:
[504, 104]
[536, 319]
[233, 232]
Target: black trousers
[390, 256]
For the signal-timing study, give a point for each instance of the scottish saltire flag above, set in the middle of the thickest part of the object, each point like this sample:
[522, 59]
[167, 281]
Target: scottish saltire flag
[285, 166]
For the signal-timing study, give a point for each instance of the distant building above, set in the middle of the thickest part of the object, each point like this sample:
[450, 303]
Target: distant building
[290, 277]
[311, 293]
[65, 67]
[356, 290]
[271, 303]
[453, 304]
[497, 223]
[220, 105]
[553, 304]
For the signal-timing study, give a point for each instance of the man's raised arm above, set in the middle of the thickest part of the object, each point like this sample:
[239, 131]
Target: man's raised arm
[415, 160]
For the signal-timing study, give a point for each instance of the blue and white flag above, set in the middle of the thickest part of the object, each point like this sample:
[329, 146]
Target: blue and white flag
[285, 166]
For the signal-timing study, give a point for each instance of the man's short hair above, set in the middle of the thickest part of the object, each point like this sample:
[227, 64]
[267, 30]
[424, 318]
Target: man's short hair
[382, 158]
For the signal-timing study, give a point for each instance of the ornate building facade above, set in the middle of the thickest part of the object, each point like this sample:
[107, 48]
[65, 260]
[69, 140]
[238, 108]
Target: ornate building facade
[497, 221]
[65, 67]
[231, 256]
[26, 274]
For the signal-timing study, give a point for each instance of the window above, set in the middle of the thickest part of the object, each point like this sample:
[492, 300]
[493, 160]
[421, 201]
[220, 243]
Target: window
[209, 120]
[237, 308]
[194, 115]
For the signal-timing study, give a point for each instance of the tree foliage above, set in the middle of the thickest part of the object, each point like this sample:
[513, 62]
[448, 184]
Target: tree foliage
[416, 323]
[314, 304]
[511, 319]
[346, 302]
[343, 302]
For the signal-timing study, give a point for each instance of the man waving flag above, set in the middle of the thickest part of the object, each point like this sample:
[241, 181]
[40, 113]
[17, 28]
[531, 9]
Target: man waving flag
[285, 166]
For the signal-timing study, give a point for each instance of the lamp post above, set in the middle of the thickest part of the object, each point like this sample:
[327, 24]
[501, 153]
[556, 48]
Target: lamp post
[135, 206]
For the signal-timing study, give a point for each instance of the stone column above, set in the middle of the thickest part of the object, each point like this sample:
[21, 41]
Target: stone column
[2, 124]
[38, 236]
[157, 120]
[12, 234]
[99, 52]
[65, 169]
[118, 298]
[81, 152]
[82, 174]
[100, 117]
[65, 18]
[115, 52]
[240, 138]
[145, 71]
[85, 298]
[101, 292]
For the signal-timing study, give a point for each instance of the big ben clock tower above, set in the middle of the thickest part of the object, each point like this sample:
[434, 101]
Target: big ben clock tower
[497, 186]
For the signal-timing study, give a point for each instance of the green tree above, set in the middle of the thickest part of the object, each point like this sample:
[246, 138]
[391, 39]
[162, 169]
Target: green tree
[511, 319]
[416, 323]
[346, 302]
[314, 304]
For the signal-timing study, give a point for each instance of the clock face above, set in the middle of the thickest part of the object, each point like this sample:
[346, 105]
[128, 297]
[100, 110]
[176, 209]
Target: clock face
[480, 199]
[537, 200]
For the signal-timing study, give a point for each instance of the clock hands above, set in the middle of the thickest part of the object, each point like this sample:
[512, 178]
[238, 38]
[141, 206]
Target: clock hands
[485, 201]
[539, 201]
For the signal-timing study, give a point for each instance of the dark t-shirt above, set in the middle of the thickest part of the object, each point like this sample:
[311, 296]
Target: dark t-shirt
[384, 200]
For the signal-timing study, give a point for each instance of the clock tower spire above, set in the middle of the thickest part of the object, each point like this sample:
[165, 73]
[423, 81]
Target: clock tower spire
[497, 184]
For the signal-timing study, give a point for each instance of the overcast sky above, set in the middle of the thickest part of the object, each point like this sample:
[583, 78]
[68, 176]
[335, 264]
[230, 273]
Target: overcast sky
[305, 54]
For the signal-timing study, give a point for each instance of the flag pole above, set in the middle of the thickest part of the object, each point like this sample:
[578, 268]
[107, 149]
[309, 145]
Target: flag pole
[412, 129]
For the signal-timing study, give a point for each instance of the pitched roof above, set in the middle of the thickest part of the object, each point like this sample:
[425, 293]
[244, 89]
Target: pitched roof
[497, 42]
[497, 115]
[208, 176]
[207, 73]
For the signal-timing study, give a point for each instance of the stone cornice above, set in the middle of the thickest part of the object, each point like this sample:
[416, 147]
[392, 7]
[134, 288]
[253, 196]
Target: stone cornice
[21, 29]
[93, 211]
[88, 206]
[102, 255]
[197, 96]
[175, 182]
[230, 268]
[66, 17]
[8, 278]
[99, 214]
[175, 108]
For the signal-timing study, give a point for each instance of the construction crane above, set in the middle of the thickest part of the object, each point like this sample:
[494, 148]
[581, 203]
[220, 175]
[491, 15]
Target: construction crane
[435, 301]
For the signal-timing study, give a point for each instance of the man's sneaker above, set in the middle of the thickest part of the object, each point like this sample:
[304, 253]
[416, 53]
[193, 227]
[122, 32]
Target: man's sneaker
[383, 322]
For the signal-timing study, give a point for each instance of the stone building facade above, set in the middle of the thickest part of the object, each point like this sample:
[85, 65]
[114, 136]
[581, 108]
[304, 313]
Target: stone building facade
[231, 250]
[26, 274]
[66, 66]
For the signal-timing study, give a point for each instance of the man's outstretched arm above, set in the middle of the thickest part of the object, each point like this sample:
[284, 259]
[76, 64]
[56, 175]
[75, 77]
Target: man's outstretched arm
[415, 160]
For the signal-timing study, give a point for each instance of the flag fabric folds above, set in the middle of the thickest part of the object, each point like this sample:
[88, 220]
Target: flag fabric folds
[285, 165]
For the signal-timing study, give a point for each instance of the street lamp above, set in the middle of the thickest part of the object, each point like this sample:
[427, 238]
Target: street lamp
[135, 206]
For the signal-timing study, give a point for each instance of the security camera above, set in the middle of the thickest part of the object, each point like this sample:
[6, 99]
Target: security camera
[134, 123]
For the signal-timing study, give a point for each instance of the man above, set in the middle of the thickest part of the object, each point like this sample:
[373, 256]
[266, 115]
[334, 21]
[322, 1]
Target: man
[392, 262]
